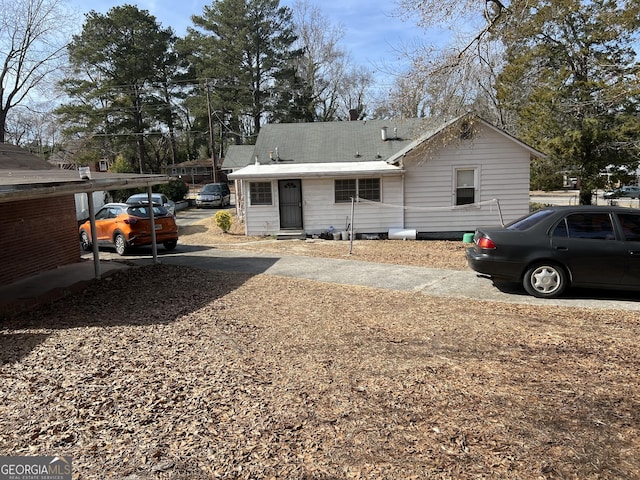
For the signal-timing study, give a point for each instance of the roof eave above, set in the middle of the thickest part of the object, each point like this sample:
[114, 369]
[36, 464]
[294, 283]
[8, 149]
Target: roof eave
[387, 173]
[28, 191]
[428, 136]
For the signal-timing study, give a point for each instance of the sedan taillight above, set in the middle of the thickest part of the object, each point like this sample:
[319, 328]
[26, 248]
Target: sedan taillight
[486, 243]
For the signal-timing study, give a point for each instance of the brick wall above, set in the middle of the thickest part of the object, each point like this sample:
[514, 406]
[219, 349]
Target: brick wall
[37, 235]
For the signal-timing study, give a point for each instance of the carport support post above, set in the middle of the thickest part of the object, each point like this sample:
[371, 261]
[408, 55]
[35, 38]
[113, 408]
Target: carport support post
[94, 236]
[152, 219]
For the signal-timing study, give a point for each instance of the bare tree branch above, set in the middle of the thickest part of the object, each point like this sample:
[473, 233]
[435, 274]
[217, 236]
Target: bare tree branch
[33, 39]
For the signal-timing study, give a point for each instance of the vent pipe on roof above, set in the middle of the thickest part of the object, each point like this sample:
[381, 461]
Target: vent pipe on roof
[383, 132]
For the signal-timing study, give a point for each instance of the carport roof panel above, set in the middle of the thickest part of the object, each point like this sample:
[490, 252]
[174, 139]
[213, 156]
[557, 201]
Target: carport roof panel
[28, 184]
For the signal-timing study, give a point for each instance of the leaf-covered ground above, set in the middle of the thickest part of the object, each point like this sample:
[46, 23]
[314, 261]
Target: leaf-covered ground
[434, 254]
[165, 372]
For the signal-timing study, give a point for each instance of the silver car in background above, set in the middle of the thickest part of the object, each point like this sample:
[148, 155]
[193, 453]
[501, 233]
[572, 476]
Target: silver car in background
[623, 192]
[157, 198]
[213, 195]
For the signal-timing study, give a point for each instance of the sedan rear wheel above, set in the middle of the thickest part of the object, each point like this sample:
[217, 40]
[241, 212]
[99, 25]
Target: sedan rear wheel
[120, 244]
[545, 280]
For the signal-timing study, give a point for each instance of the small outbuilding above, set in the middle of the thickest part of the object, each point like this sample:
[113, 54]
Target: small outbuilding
[437, 179]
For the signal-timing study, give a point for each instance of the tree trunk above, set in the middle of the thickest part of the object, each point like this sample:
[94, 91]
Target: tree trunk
[3, 125]
[585, 197]
[141, 150]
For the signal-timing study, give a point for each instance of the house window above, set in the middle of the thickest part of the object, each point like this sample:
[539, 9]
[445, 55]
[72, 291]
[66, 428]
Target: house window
[345, 190]
[369, 189]
[365, 188]
[104, 166]
[260, 193]
[174, 171]
[465, 186]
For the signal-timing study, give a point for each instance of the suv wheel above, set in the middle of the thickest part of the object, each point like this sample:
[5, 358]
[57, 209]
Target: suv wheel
[121, 244]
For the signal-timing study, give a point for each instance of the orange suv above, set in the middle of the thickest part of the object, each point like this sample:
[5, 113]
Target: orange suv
[122, 226]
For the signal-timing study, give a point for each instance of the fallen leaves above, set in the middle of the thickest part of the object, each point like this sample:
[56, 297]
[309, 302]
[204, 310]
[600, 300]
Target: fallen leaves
[171, 373]
[433, 253]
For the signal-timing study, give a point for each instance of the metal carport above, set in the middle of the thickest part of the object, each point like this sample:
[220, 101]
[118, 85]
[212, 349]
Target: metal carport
[18, 183]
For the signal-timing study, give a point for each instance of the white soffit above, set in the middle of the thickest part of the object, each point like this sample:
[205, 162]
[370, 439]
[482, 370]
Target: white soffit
[300, 170]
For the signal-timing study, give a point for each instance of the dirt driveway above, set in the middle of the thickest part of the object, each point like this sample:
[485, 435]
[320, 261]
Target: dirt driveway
[168, 372]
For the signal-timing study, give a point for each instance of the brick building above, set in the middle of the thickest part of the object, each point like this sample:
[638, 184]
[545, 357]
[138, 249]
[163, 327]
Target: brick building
[38, 226]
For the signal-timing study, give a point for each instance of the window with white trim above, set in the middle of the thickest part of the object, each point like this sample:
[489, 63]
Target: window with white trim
[260, 193]
[465, 186]
[364, 188]
[369, 189]
[345, 190]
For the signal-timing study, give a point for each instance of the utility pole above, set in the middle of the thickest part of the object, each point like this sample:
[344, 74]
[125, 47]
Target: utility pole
[211, 141]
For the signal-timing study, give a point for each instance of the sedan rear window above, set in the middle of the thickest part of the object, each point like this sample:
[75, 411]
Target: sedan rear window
[529, 221]
[143, 211]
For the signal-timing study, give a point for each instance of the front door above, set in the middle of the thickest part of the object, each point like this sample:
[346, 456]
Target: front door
[290, 194]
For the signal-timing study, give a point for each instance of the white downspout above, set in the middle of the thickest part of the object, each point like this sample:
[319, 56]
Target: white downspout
[404, 204]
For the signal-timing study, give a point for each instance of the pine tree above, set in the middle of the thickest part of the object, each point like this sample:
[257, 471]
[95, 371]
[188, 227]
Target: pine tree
[572, 78]
[118, 62]
[242, 47]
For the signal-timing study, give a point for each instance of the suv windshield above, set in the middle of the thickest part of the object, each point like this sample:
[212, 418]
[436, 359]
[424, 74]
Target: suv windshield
[529, 221]
[211, 188]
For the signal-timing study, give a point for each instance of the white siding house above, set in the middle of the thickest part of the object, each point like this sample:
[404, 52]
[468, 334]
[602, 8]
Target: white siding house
[440, 180]
[456, 185]
[315, 201]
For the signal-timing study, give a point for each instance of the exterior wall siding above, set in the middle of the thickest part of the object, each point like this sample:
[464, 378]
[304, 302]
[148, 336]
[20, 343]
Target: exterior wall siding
[261, 219]
[320, 212]
[503, 175]
[37, 235]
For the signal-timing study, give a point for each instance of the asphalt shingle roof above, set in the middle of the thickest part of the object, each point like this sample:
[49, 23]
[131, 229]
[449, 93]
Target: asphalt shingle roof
[328, 142]
[333, 142]
[238, 156]
[356, 141]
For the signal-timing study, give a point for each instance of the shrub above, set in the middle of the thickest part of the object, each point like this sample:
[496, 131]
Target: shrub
[223, 220]
[176, 189]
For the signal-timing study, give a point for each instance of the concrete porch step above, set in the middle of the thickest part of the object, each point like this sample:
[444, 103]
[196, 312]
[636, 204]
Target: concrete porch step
[291, 235]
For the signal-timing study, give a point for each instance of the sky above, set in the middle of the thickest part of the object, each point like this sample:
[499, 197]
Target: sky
[374, 34]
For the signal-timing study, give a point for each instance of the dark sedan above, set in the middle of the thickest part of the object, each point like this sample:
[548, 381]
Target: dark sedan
[552, 248]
